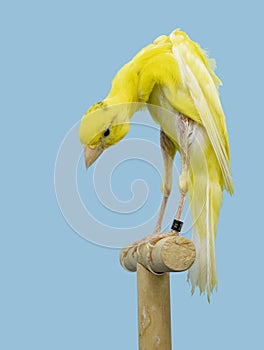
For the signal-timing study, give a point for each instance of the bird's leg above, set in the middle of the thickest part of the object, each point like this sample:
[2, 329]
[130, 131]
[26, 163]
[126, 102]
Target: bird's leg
[168, 149]
[185, 132]
[161, 214]
[183, 185]
[168, 152]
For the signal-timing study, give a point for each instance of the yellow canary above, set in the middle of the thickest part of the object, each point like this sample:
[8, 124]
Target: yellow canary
[175, 74]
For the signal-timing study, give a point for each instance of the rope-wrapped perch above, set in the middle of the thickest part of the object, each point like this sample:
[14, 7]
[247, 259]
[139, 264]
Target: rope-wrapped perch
[170, 254]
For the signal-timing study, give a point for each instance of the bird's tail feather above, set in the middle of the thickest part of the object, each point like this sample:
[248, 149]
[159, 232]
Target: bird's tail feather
[205, 197]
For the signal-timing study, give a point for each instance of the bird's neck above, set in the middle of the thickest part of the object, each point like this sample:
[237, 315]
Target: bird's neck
[124, 86]
[133, 83]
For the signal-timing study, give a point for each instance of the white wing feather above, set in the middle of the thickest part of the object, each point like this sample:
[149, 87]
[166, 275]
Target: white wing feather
[193, 71]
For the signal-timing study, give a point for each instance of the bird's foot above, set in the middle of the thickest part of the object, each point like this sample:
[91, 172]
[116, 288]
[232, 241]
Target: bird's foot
[155, 238]
[148, 244]
[136, 246]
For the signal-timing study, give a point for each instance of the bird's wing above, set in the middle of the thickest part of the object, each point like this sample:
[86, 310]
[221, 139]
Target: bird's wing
[202, 83]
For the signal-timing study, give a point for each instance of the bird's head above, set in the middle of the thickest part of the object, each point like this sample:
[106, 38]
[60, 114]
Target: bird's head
[102, 126]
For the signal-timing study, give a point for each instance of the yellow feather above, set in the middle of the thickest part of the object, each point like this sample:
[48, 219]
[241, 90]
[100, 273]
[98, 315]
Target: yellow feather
[176, 74]
[198, 78]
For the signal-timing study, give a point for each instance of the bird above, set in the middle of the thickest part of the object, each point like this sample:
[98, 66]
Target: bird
[176, 75]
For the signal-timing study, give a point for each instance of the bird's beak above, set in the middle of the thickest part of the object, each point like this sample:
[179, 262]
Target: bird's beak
[90, 155]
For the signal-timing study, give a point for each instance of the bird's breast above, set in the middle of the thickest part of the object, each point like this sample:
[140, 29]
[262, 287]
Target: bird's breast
[164, 114]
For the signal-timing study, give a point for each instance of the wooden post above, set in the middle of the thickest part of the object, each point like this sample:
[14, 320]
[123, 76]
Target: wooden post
[153, 262]
[154, 321]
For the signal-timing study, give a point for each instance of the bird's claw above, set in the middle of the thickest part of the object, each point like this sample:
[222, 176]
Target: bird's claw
[148, 244]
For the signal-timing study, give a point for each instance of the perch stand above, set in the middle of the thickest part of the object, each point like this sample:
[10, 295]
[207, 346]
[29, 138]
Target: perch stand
[170, 254]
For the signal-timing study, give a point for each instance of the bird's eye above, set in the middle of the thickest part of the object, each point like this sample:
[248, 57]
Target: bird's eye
[106, 132]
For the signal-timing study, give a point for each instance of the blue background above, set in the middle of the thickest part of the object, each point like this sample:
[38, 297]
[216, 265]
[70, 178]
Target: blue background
[59, 291]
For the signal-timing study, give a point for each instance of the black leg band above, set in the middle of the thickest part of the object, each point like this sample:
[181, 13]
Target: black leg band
[177, 225]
